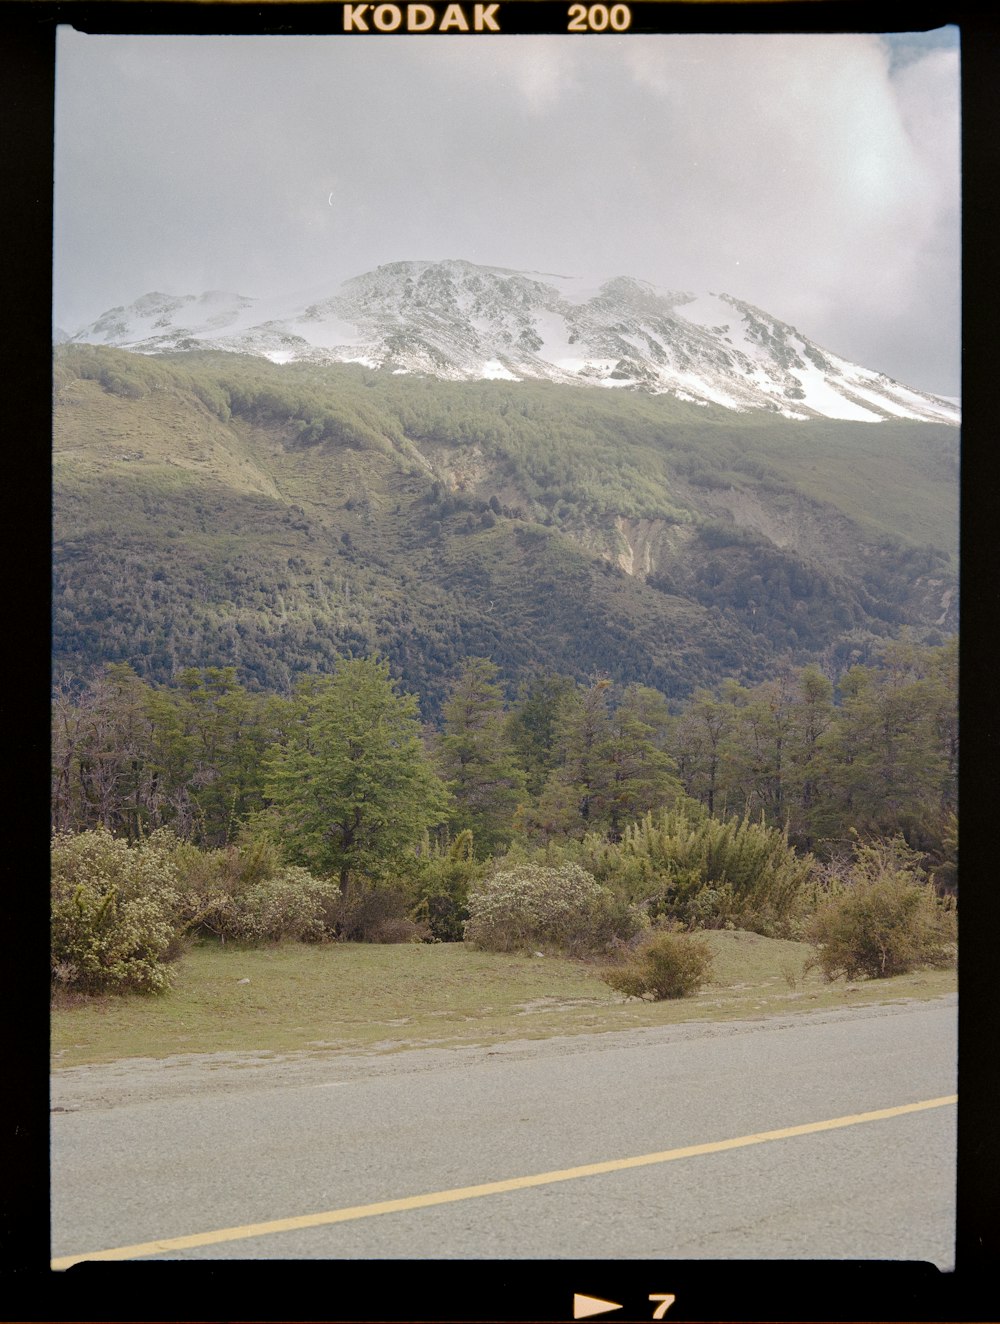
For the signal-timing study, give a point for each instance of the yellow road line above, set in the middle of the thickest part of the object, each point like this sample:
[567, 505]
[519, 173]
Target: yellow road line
[488, 1188]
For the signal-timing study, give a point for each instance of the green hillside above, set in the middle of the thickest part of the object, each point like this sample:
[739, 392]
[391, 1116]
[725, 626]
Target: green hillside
[218, 510]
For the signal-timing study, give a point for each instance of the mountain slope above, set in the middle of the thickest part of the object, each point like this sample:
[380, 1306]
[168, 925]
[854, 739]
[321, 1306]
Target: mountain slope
[462, 322]
[216, 510]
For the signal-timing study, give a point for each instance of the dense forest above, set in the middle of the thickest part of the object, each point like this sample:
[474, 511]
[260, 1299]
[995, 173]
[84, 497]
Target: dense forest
[218, 511]
[876, 755]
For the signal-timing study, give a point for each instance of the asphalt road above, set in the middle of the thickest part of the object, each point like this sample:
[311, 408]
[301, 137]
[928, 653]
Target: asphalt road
[148, 1151]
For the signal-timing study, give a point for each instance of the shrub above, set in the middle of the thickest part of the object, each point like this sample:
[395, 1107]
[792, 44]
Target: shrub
[884, 921]
[244, 893]
[123, 384]
[530, 905]
[375, 910]
[442, 887]
[714, 873]
[667, 965]
[290, 906]
[114, 921]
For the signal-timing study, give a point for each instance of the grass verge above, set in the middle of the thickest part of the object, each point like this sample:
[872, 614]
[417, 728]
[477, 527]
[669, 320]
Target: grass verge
[342, 997]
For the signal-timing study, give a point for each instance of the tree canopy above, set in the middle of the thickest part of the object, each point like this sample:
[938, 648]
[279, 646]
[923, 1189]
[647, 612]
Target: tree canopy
[351, 786]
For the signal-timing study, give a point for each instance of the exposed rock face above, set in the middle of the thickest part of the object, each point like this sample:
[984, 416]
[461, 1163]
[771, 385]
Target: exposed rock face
[646, 544]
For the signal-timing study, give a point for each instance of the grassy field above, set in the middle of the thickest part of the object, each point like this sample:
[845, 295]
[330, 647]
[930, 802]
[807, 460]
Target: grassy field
[320, 999]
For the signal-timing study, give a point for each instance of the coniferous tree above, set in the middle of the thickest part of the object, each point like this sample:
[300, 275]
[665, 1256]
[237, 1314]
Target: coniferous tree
[890, 755]
[477, 760]
[755, 749]
[532, 726]
[228, 733]
[576, 798]
[813, 714]
[643, 776]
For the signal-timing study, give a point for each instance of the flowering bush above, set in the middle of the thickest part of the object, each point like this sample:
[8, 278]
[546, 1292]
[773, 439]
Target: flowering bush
[291, 905]
[244, 893]
[532, 905]
[113, 919]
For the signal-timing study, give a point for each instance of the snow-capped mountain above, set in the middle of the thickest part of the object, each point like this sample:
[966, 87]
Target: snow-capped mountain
[464, 322]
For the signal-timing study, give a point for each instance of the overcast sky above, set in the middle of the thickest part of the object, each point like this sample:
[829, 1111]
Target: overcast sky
[816, 176]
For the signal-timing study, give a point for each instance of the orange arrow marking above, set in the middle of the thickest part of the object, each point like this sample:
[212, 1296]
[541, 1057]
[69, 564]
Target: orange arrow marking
[583, 1306]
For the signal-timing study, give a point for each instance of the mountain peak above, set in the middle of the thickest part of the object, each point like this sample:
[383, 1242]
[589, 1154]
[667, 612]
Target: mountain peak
[464, 321]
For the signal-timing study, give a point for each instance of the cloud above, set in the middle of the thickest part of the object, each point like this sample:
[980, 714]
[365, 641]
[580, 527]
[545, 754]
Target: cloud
[814, 175]
[532, 75]
[831, 178]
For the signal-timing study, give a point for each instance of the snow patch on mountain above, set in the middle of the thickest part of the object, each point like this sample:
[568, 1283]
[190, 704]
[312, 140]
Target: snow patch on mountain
[463, 322]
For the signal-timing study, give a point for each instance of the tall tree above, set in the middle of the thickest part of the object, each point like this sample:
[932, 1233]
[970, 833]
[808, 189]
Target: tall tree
[890, 755]
[755, 750]
[643, 775]
[698, 745]
[533, 724]
[576, 796]
[477, 759]
[813, 714]
[351, 787]
[100, 743]
[225, 735]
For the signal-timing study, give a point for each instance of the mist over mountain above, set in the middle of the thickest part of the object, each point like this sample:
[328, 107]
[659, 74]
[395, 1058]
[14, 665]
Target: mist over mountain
[461, 322]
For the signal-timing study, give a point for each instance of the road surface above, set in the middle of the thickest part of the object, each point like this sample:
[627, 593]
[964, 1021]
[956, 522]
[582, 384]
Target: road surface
[523, 1150]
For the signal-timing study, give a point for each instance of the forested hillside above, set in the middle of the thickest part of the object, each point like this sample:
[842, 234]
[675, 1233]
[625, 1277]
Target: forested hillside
[214, 511]
[348, 655]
